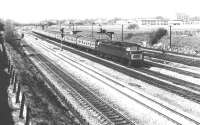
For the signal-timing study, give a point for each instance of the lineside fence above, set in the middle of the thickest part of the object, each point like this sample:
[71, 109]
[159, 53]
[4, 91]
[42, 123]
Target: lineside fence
[22, 100]
[20, 97]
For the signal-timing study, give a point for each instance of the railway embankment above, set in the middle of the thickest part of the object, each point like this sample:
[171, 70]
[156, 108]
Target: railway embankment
[5, 110]
[39, 104]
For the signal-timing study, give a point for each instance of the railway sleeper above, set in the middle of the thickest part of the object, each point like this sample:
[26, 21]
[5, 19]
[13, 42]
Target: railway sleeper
[97, 102]
[100, 105]
[89, 98]
[93, 98]
[114, 116]
[79, 87]
[88, 95]
[123, 123]
[102, 110]
[105, 110]
[82, 89]
[104, 107]
[118, 119]
[111, 116]
[109, 111]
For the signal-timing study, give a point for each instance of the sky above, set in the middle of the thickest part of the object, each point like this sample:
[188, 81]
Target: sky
[26, 11]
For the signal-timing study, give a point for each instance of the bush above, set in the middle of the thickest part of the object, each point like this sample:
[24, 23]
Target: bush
[129, 36]
[157, 35]
[133, 26]
[1, 25]
[1, 29]
[10, 34]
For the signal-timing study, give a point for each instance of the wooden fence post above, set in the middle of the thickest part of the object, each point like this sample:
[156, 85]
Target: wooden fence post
[28, 115]
[15, 82]
[8, 65]
[22, 106]
[11, 69]
[12, 76]
[18, 93]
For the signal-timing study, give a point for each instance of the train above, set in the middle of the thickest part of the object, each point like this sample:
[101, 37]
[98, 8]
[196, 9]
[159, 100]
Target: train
[125, 52]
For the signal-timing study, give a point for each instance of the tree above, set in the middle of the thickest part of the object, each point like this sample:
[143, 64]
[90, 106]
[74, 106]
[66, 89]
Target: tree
[157, 35]
[160, 17]
[1, 29]
[49, 23]
[10, 34]
[2, 39]
[129, 36]
[9, 31]
[1, 26]
[114, 20]
[133, 26]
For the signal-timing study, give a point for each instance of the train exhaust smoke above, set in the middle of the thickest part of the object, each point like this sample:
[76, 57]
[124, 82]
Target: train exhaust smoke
[157, 35]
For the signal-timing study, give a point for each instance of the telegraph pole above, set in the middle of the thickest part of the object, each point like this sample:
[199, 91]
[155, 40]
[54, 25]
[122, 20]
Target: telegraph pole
[122, 32]
[170, 36]
[76, 26]
[60, 24]
[62, 35]
[100, 30]
[73, 26]
[92, 30]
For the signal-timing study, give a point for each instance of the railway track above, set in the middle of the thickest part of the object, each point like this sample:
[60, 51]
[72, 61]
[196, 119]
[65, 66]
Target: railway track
[107, 114]
[193, 96]
[177, 82]
[196, 122]
[191, 61]
[171, 53]
[170, 68]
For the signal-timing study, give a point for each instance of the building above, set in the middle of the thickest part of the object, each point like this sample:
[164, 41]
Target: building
[194, 20]
[182, 16]
[126, 21]
[175, 22]
[152, 21]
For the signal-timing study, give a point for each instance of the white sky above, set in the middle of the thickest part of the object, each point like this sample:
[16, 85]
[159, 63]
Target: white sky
[36, 10]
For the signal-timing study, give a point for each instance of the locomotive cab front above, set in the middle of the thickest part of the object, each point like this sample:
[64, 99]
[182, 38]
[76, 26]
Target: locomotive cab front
[135, 55]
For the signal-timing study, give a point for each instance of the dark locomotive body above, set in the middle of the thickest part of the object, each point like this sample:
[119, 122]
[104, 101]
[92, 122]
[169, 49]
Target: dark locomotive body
[126, 52]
